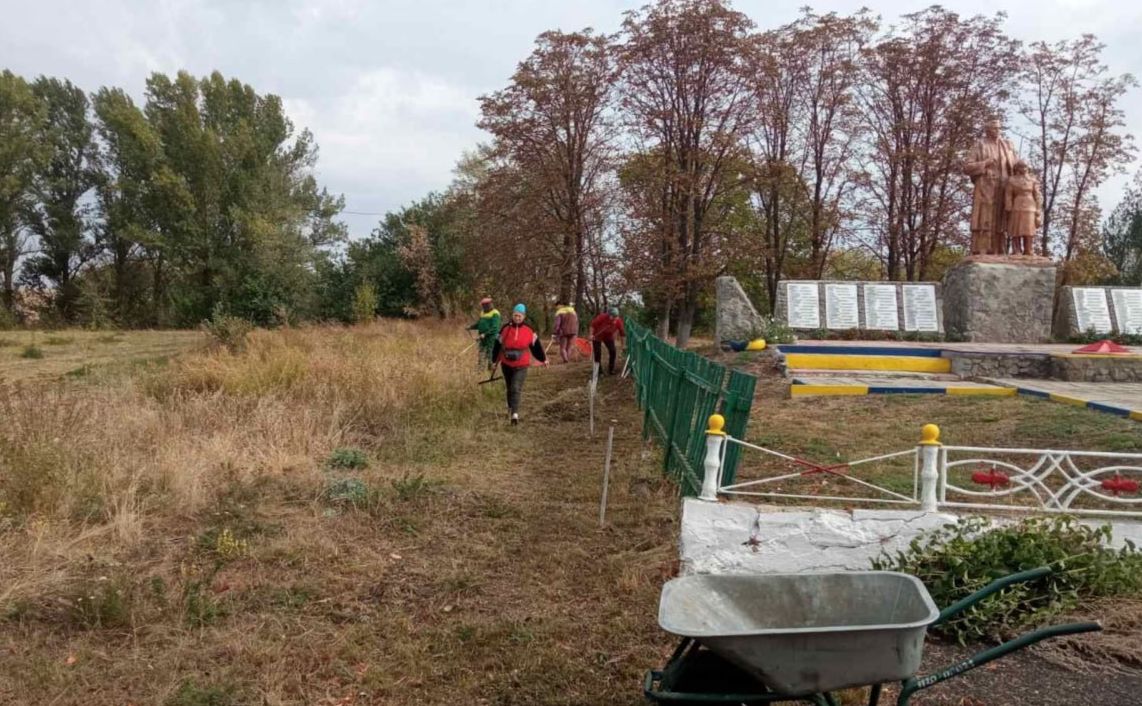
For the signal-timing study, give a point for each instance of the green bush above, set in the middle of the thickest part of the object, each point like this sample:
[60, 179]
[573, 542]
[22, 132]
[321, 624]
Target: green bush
[364, 303]
[773, 331]
[347, 459]
[348, 491]
[32, 353]
[228, 331]
[958, 559]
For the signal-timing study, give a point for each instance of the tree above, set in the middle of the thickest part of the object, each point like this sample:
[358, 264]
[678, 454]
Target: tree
[128, 193]
[928, 87]
[1072, 104]
[59, 218]
[238, 211]
[552, 122]
[21, 158]
[686, 92]
[1122, 236]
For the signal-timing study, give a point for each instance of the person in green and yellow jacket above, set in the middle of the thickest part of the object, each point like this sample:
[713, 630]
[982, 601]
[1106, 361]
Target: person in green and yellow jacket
[488, 327]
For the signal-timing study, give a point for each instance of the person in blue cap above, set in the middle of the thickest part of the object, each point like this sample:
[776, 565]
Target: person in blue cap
[517, 345]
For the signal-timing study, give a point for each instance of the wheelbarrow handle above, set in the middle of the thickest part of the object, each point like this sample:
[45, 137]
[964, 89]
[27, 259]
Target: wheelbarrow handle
[996, 585]
[914, 684]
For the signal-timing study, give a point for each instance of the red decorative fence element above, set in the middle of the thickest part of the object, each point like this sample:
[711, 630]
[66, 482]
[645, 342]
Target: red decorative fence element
[991, 478]
[1117, 484]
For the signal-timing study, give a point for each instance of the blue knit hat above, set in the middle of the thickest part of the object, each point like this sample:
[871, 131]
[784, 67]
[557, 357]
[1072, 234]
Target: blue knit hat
[519, 309]
[614, 311]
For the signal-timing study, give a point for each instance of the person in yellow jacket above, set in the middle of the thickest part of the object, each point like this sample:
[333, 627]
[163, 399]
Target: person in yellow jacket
[566, 330]
[488, 328]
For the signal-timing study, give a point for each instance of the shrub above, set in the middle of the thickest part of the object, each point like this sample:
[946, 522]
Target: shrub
[228, 331]
[102, 603]
[32, 352]
[364, 302]
[348, 491]
[347, 459]
[958, 559]
[774, 331]
[58, 341]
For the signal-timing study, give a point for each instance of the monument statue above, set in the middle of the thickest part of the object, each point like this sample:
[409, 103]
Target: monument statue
[1023, 204]
[989, 163]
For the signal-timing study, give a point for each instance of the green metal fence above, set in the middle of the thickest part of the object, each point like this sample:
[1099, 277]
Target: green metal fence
[677, 392]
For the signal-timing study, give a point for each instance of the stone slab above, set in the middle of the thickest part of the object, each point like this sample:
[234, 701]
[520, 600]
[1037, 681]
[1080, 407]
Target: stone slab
[811, 305]
[737, 537]
[998, 303]
[736, 318]
[1101, 310]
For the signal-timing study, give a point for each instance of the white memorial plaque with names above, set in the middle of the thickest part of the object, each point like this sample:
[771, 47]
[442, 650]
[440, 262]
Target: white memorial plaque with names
[1128, 309]
[841, 310]
[1091, 309]
[920, 308]
[803, 301]
[880, 313]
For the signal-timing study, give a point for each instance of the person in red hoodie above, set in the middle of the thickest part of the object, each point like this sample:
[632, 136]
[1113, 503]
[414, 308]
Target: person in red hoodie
[516, 346]
[604, 328]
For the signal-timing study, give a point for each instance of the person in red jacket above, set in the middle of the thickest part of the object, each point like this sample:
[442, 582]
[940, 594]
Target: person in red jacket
[516, 346]
[604, 328]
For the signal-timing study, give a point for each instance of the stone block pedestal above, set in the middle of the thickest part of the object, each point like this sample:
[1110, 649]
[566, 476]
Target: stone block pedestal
[999, 302]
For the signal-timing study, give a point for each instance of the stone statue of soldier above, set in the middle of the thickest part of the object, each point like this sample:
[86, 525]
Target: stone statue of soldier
[989, 163]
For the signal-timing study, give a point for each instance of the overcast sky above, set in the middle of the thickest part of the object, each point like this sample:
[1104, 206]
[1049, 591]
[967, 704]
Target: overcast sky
[389, 87]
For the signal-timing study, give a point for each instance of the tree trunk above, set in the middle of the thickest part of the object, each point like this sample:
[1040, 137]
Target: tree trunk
[663, 330]
[686, 320]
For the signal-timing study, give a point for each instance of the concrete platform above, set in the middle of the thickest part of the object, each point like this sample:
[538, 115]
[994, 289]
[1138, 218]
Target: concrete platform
[1121, 398]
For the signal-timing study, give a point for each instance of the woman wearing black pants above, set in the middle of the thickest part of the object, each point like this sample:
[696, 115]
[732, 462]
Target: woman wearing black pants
[516, 346]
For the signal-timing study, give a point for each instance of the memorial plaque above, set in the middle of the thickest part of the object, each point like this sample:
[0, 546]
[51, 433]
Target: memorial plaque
[1128, 309]
[1091, 309]
[920, 308]
[880, 312]
[804, 305]
[841, 310]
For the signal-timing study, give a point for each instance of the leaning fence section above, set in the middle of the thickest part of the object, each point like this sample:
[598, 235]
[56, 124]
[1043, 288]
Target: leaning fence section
[677, 392]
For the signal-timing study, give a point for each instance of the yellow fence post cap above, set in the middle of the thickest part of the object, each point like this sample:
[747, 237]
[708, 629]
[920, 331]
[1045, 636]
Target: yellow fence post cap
[930, 435]
[716, 423]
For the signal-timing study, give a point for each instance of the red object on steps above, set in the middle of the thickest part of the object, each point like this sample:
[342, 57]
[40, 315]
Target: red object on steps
[1103, 347]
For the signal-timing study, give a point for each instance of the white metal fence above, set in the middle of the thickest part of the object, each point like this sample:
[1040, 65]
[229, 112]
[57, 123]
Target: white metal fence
[945, 477]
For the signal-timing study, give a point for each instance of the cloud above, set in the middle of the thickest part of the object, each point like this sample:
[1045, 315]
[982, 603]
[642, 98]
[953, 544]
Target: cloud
[392, 136]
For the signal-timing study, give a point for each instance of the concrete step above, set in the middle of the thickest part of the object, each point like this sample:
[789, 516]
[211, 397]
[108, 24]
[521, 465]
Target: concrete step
[859, 384]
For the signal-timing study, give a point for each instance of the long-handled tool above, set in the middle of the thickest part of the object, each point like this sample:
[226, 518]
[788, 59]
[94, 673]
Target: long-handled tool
[492, 377]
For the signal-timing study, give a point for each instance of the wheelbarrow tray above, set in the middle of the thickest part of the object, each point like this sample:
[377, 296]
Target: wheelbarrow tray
[806, 633]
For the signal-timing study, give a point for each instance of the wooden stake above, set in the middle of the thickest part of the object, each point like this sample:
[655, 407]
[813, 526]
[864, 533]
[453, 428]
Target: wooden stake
[606, 478]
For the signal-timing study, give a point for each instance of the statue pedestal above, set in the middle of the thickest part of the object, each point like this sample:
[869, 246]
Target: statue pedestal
[1000, 300]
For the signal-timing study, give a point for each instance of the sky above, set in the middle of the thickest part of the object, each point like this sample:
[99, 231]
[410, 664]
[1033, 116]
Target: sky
[390, 88]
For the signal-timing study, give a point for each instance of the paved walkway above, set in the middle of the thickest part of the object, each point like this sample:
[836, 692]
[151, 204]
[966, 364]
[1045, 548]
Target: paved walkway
[1121, 398]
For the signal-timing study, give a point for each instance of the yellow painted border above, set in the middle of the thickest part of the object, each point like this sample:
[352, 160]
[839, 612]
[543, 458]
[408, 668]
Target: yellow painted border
[982, 391]
[832, 390]
[1066, 399]
[1136, 415]
[899, 363]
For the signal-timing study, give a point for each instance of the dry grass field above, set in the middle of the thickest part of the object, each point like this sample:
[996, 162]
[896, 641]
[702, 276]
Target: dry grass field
[39, 355]
[342, 516]
[334, 516]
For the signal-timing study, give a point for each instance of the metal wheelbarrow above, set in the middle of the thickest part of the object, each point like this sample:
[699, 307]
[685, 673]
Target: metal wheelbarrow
[762, 639]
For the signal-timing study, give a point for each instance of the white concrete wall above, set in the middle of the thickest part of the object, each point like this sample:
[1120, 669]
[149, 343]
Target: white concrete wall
[737, 537]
